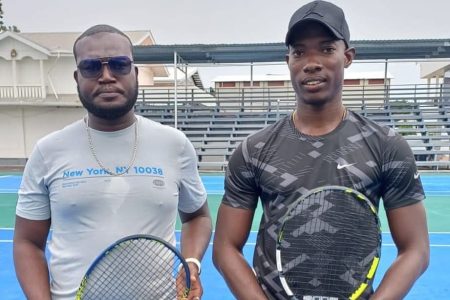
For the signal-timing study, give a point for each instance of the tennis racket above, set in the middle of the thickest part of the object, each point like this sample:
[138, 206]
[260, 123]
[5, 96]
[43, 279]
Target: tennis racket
[329, 245]
[137, 267]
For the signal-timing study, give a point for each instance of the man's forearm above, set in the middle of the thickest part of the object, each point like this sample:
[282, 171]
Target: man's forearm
[238, 275]
[195, 236]
[401, 276]
[32, 270]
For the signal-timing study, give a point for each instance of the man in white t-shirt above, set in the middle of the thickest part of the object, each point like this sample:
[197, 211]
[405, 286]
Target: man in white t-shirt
[110, 175]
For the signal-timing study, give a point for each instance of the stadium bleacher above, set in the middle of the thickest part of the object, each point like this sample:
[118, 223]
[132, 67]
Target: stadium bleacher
[217, 126]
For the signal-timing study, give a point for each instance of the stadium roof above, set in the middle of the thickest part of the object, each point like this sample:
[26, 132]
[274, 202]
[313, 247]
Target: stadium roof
[275, 52]
[63, 41]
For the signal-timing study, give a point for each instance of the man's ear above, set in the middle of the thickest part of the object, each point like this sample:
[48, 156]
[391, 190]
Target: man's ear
[286, 57]
[136, 70]
[75, 76]
[349, 56]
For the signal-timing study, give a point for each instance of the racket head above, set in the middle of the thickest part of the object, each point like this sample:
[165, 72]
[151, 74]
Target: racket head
[137, 267]
[329, 245]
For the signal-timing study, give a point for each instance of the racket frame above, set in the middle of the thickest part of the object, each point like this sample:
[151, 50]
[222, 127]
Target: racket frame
[375, 262]
[183, 264]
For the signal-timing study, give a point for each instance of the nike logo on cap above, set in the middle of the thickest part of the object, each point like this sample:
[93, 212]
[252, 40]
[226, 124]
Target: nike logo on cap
[339, 166]
[416, 175]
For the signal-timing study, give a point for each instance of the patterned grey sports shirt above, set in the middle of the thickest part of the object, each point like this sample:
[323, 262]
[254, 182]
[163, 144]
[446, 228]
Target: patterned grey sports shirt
[278, 163]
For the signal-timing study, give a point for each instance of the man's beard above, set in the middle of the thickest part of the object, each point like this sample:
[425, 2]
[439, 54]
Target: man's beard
[109, 113]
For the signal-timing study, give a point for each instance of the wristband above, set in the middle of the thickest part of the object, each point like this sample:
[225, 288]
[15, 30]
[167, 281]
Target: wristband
[195, 262]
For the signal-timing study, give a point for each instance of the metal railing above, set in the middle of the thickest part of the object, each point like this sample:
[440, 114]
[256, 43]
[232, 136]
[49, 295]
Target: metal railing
[21, 92]
[265, 99]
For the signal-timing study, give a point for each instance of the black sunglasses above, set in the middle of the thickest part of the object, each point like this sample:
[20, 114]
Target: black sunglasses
[93, 67]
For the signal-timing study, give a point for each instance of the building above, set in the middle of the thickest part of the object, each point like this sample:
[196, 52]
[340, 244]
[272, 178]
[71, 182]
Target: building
[439, 72]
[269, 90]
[37, 91]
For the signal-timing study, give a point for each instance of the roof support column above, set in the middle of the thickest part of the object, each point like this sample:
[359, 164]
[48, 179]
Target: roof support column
[251, 74]
[251, 86]
[14, 78]
[185, 82]
[175, 86]
[41, 74]
[386, 92]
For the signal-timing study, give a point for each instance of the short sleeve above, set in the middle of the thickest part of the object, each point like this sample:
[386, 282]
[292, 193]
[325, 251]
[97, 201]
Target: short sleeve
[33, 202]
[240, 181]
[401, 181]
[192, 192]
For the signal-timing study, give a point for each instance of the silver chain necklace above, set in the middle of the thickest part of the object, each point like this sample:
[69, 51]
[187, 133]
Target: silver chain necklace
[107, 170]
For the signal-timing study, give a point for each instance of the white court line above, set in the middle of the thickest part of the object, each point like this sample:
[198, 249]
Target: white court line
[8, 191]
[253, 244]
[255, 231]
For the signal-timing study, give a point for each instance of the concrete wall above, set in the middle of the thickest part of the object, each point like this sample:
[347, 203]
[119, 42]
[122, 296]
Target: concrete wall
[22, 127]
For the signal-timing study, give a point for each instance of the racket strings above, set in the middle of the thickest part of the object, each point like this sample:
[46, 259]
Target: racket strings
[137, 269]
[327, 247]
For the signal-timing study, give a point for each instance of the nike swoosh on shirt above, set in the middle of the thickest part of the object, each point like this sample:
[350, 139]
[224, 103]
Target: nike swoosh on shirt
[339, 166]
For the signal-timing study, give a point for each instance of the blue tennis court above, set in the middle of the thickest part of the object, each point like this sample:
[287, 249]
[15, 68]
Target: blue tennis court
[434, 284]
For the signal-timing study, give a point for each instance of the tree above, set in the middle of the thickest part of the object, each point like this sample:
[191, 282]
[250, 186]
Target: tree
[1, 17]
[3, 27]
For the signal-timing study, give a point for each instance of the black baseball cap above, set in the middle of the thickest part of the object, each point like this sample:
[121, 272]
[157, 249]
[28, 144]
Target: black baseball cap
[326, 13]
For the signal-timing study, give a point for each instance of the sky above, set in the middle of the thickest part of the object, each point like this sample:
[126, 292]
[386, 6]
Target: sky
[237, 21]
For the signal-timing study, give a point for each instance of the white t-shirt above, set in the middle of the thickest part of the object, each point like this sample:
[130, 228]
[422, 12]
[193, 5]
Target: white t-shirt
[90, 209]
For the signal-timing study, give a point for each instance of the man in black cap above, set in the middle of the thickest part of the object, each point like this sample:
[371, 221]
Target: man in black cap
[320, 143]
